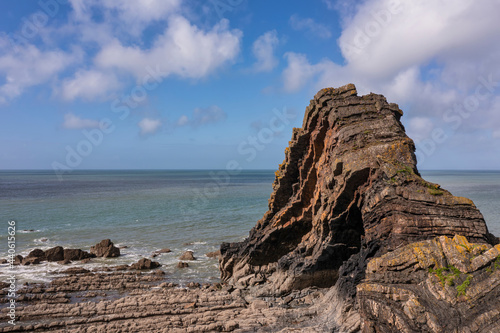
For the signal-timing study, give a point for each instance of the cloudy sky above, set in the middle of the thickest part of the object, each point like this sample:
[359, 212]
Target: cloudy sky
[177, 84]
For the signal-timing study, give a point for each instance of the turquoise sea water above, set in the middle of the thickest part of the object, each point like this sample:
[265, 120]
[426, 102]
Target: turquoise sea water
[151, 210]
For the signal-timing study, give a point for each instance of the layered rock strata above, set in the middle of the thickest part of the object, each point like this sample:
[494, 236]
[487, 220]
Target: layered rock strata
[348, 185]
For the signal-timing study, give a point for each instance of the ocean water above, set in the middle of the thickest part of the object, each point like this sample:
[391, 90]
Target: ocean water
[151, 210]
[143, 210]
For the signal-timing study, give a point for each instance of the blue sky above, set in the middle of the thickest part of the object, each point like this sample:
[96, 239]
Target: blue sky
[185, 84]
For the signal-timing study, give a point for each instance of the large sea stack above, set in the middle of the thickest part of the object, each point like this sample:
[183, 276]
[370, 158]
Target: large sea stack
[350, 211]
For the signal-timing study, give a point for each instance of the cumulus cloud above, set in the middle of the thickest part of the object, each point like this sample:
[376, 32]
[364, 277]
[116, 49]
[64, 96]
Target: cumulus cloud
[387, 36]
[263, 49]
[203, 116]
[89, 85]
[310, 26]
[131, 16]
[430, 56]
[149, 126]
[300, 72]
[28, 66]
[74, 122]
[183, 50]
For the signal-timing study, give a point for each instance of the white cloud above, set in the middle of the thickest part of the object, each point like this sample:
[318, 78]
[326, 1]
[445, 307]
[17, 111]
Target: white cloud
[131, 16]
[263, 50]
[387, 36]
[420, 128]
[74, 122]
[203, 116]
[309, 25]
[89, 85]
[429, 56]
[300, 72]
[149, 126]
[182, 50]
[183, 120]
[28, 66]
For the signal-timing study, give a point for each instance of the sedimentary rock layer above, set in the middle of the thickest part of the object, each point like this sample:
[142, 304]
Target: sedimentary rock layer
[348, 185]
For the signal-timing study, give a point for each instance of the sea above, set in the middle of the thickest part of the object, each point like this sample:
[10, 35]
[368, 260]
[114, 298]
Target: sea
[149, 210]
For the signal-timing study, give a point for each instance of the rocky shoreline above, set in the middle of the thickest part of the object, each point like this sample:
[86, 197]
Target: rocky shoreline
[143, 302]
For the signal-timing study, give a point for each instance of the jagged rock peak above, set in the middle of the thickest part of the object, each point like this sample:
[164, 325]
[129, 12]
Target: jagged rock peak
[348, 184]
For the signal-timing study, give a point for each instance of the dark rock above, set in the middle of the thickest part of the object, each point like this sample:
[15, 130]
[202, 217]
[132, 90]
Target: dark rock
[182, 264]
[18, 259]
[214, 254]
[188, 255]
[3, 261]
[30, 261]
[145, 264]
[105, 249]
[55, 254]
[64, 262]
[37, 253]
[163, 251]
[76, 254]
[76, 270]
[121, 267]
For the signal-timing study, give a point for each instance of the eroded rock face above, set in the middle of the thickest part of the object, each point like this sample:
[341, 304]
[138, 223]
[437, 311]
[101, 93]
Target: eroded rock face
[438, 285]
[348, 188]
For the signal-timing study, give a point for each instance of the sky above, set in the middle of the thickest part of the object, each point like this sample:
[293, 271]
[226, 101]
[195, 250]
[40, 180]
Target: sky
[219, 84]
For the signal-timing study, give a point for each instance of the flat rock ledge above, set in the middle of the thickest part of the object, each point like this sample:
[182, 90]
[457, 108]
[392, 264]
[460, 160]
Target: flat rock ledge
[144, 302]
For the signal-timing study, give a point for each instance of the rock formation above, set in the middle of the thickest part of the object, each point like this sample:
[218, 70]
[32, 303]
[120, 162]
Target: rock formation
[145, 263]
[106, 249]
[348, 191]
[438, 285]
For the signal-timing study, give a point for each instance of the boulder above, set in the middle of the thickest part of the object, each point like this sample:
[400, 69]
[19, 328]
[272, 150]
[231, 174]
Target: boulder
[18, 259]
[55, 254]
[214, 254]
[182, 264]
[188, 255]
[30, 261]
[163, 251]
[106, 249]
[76, 254]
[145, 263]
[37, 253]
